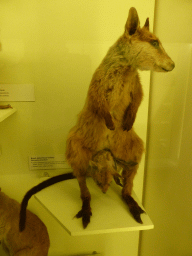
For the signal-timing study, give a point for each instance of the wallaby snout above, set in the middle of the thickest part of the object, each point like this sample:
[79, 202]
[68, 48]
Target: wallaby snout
[169, 66]
[164, 62]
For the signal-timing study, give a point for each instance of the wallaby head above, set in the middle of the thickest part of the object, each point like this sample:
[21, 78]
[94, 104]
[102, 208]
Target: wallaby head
[141, 48]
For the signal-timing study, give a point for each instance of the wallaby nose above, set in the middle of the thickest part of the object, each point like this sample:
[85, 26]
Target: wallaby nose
[172, 66]
[169, 67]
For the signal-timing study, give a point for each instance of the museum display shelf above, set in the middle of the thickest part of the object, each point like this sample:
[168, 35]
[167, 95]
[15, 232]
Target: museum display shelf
[4, 113]
[62, 201]
[110, 212]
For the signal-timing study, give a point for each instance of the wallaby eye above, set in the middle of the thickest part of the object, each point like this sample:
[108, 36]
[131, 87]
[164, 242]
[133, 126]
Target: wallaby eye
[155, 43]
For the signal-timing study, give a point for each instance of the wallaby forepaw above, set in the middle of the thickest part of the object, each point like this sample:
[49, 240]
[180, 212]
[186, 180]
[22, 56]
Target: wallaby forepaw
[109, 121]
[134, 208]
[127, 126]
[110, 125]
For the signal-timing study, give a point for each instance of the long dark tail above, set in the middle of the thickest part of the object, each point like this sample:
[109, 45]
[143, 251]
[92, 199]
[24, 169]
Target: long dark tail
[34, 190]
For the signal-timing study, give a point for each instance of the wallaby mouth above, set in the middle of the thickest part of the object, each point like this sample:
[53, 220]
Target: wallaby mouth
[168, 67]
[165, 70]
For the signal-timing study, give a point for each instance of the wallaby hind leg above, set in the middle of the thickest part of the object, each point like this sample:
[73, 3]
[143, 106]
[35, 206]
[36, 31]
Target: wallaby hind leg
[78, 157]
[85, 213]
[135, 209]
[127, 146]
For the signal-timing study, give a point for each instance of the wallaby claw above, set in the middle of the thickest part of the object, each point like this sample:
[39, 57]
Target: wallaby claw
[110, 126]
[134, 208]
[85, 215]
[109, 122]
[127, 127]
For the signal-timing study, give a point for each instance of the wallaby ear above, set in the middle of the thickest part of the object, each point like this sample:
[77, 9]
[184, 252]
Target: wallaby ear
[147, 24]
[133, 22]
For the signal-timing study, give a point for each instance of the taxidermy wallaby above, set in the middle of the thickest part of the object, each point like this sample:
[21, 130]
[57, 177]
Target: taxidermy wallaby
[106, 120]
[107, 117]
[34, 241]
[103, 168]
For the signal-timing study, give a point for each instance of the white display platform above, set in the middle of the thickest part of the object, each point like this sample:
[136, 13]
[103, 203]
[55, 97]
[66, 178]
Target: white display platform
[109, 212]
[4, 113]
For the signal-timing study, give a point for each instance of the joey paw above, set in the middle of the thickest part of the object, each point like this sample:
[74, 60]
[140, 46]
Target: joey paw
[117, 180]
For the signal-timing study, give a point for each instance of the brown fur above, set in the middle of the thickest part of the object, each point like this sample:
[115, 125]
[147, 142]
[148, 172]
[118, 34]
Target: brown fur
[104, 167]
[33, 241]
[114, 96]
